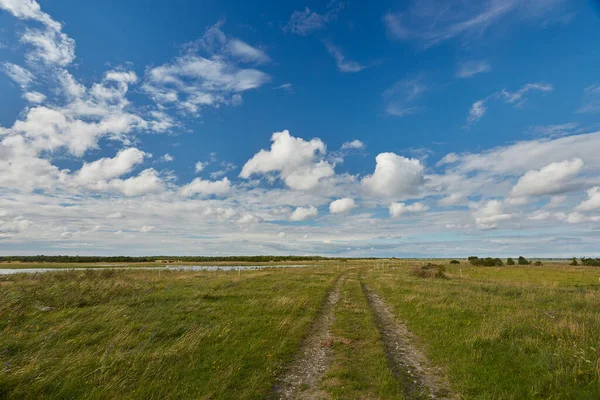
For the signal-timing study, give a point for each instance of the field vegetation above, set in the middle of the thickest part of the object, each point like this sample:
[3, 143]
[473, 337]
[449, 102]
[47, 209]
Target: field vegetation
[501, 332]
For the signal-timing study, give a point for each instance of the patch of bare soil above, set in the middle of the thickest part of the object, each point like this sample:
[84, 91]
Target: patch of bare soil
[421, 380]
[301, 378]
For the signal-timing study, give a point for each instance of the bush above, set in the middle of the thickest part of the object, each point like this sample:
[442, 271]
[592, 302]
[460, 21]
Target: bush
[594, 262]
[523, 261]
[454, 262]
[510, 261]
[486, 262]
[574, 261]
[429, 271]
[537, 263]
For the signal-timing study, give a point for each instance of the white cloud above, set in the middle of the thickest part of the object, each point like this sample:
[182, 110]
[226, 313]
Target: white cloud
[304, 213]
[34, 97]
[295, 159]
[518, 95]
[469, 69]
[343, 64]
[108, 168]
[431, 22]
[192, 81]
[487, 215]
[116, 215]
[552, 179]
[399, 209]
[12, 227]
[18, 74]
[307, 21]
[28, 9]
[591, 99]
[593, 201]
[395, 176]
[453, 199]
[167, 158]
[355, 144]
[249, 219]
[199, 166]
[51, 47]
[205, 187]
[147, 228]
[288, 87]
[343, 205]
[477, 111]
[146, 182]
[401, 98]
[243, 51]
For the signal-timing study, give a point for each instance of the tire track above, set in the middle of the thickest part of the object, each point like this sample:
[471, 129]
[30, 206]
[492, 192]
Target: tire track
[301, 378]
[410, 366]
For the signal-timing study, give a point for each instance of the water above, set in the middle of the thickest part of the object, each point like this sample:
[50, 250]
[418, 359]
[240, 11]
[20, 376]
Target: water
[10, 271]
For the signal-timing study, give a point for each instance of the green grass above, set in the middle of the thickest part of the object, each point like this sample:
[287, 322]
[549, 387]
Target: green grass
[498, 332]
[138, 334]
[504, 333]
[359, 367]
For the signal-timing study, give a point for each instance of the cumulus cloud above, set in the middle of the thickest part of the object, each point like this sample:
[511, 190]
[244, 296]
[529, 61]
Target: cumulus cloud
[50, 45]
[199, 166]
[343, 205]
[304, 213]
[295, 159]
[353, 145]
[394, 176]
[399, 209]
[205, 187]
[453, 199]
[146, 182]
[488, 215]
[108, 168]
[593, 200]
[552, 179]
[34, 97]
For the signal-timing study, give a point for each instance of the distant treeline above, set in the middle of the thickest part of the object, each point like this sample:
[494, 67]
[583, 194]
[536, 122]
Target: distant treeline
[127, 259]
[594, 262]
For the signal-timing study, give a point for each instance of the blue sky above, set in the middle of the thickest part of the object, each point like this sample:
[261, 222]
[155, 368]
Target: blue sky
[417, 128]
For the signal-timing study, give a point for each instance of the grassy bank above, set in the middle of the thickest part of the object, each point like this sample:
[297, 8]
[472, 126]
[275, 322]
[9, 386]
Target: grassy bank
[504, 333]
[141, 334]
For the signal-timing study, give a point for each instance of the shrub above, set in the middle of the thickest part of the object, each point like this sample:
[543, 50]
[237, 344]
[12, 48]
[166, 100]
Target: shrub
[429, 271]
[523, 261]
[454, 262]
[594, 262]
[486, 262]
[537, 263]
[574, 261]
[510, 261]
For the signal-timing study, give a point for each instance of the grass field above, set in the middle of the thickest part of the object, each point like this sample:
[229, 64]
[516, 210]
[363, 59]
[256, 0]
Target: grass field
[494, 332]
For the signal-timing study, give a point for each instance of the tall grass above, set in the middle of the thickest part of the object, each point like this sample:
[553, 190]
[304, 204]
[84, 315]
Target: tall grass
[505, 333]
[141, 334]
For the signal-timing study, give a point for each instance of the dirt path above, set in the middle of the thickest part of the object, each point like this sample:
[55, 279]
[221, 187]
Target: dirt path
[300, 380]
[420, 379]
